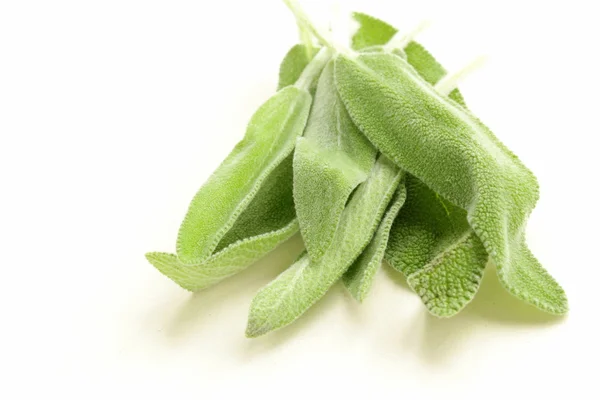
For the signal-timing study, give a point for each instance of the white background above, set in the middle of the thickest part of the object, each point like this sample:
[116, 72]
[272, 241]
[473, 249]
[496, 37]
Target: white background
[112, 114]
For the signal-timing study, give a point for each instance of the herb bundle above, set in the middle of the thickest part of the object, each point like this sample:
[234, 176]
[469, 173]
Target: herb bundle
[372, 154]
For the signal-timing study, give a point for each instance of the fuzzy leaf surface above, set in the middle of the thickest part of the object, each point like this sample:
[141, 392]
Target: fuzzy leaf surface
[269, 139]
[294, 291]
[430, 228]
[330, 161]
[453, 153]
[292, 66]
[225, 263]
[359, 277]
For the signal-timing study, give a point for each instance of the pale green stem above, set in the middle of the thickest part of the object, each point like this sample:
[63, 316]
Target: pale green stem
[449, 82]
[323, 37]
[400, 41]
[306, 39]
[314, 68]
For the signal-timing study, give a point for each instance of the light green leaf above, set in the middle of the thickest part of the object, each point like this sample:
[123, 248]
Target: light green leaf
[428, 67]
[268, 220]
[375, 32]
[270, 210]
[428, 237]
[452, 279]
[227, 262]
[433, 245]
[425, 227]
[359, 277]
[269, 139]
[294, 62]
[330, 160]
[298, 288]
[330, 126]
[452, 152]
[371, 31]
[323, 181]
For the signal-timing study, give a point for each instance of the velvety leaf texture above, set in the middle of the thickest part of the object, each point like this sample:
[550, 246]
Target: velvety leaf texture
[451, 280]
[371, 31]
[270, 138]
[266, 221]
[430, 237]
[271, 209]
[453, 153]
[359, 277]
[227, 262]
[292, 66]
[429, 227]
[330, 161]
[298, 288]
[370, 154]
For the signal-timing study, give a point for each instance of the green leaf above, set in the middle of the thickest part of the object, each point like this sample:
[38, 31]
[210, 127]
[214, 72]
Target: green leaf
[270, 210]
[268, 220]
[227, 262]
[425, 227]
[428, 237]
[330, 126]
[359, 277]
[294, 62]
[371, 31]
[453, 153]
[330, 161]
[428, 67]
[433, 245]
[269, 139]
[375, 32]
[323, 182]
[451, 280]
[299, 287]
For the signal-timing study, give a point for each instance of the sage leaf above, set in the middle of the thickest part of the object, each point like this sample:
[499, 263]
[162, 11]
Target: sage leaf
[359, 277]
[268, 220]
[294, 62]
[448, 273]
[371, 31]
[270, 210]
[269, 139]
[330, 161]
[451, 280]
[229, 261]
[374, 32]
[294, 291]
[452, 152]
[430, 234]
[330, 126]
[432, 244]
[428, 68]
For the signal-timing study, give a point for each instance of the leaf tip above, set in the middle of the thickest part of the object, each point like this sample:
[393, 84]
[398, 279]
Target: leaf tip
[358, 294]
[255, 329]
[153, 257]
[561, 307]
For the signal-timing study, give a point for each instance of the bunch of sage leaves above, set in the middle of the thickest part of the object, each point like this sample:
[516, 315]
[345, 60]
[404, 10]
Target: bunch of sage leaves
[372, 156]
